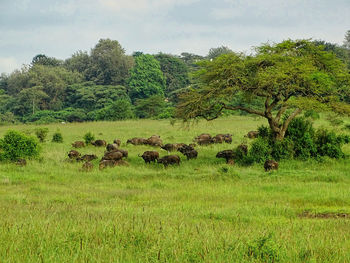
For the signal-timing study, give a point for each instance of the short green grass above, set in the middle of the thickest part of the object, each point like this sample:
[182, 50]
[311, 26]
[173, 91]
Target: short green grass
[201, 211]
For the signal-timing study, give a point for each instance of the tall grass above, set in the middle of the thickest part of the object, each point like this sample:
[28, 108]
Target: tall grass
[201, 211]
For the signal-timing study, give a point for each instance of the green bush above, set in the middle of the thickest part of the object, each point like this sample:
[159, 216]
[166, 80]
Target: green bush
[259, 151]
[16, 145]
[89, 137]
[41, 133]
[329, 144]
[264, 132]
[57, 137]
[282, 149]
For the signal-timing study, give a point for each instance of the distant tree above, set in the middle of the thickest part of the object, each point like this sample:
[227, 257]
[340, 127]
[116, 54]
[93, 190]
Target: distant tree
[175, 72]
[215, 52]
[53, 81]
[30, 100]
[109, 64]
[146, 78]
[44, 60]
[150, 107]
[80, 61]
[347, 40]
[91, 97]
[340, 51]
[191, 59]
[289, 77]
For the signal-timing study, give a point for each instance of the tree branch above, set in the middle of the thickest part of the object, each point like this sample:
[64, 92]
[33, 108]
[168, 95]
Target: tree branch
[244, 109]
[290, 118]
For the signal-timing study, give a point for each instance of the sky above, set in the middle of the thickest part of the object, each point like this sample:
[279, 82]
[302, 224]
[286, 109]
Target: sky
[59, 28]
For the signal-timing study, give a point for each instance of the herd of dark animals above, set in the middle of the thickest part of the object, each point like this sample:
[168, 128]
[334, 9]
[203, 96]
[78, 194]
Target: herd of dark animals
[113, 155]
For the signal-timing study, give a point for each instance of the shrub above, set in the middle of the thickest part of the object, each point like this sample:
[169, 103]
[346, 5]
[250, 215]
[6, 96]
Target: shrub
[89, 137]
[16, 145]
[282, 149]
[57, 137]
[264, 131]
[41, 133]
[329, 144]
[259, 151]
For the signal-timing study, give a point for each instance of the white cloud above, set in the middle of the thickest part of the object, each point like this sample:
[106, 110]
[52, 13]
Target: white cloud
[8, 64]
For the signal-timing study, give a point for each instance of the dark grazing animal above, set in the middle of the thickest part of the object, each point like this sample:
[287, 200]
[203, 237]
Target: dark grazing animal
[243, 148]
[73, 154]
[117, 142]
[226, 154]
[204, 139]
[87, 167]
[252, 134]
[150, 156]
[188, 151]
[169, 160]
[155, 140]
[99, 143]
[107, 163]
[270, 165]
[124, 152]
[137, 141]
[112, 146]
[87, 157]
[78, 144]
[115, 156]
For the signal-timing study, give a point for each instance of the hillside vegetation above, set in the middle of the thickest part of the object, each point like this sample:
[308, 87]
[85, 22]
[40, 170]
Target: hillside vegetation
[202, 211]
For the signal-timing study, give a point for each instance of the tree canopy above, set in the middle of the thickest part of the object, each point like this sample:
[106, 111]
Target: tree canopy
[288, 77]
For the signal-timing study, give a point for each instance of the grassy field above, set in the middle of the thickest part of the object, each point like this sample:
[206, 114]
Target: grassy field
[201, 211]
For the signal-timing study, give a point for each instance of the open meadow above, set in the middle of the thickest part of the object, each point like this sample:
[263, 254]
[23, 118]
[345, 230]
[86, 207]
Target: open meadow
[201, 211]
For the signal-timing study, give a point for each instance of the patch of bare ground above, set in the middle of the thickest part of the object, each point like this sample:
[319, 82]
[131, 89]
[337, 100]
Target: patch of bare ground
[324, 215]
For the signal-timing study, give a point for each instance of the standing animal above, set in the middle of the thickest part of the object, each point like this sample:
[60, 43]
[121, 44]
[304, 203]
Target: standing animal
[243, 148]
[117, 142]
[87, 157]
[73, 154]
[78, 144]
[115, 156]
[137, 141]
[107, 163]
[170, 147]
[111, 147]
[227, 154]
[150, 156]
[155, 140]
[124, 152]
[252, 134]
[270, 165]
[204, 139]
[188, 151]
[99, 143]
[169, 160]
[87, 167]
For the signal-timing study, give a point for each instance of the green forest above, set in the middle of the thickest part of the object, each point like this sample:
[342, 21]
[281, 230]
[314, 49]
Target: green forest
[108, 84]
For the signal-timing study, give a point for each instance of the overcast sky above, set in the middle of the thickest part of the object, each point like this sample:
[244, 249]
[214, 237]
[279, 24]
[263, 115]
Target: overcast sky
[58, 28]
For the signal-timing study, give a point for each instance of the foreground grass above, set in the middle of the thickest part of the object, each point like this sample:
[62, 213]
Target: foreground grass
[202, 211]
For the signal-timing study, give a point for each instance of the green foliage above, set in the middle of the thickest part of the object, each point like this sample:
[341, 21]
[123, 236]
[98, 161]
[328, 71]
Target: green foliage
[57, 137]
[259, 151]
[16, 145]
[175, 72]
[150, 107]
[264, 249]
[108, 63]
[216, 52]
[89, 137]
[329, 144]
[41, 133]
[119, 110]
[312, 114]
[146, 78]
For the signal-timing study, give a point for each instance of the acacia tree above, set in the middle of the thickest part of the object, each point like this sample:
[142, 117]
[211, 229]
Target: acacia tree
[288, 77]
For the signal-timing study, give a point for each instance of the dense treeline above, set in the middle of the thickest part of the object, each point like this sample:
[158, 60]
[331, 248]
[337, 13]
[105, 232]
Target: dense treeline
[107, 84]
